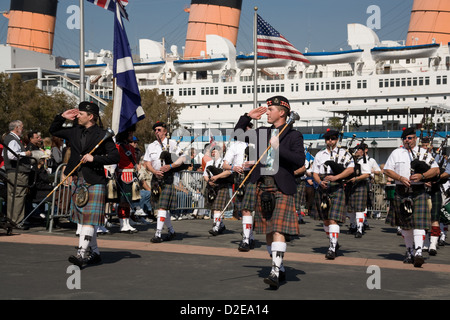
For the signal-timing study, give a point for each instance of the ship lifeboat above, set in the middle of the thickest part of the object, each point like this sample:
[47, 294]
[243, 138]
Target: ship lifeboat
[404, 52]
[349, 56]
[247, 62]
[199, 64]
[149, 67]
[89, 69]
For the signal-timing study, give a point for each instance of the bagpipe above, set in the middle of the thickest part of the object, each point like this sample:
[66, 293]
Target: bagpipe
[239, 177]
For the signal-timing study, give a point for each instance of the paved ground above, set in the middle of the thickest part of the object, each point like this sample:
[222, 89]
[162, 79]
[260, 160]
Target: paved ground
[197, 267]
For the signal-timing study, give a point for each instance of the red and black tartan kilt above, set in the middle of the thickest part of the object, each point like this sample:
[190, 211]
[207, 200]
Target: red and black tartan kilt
[168, 198]
[357, 201]
[93, 213]
[419, 219]
[221, 200]
[337, 211]
[300, 195]
[283, 220]
[249, 200]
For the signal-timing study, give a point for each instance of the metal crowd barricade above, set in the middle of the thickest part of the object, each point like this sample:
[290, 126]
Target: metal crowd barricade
[379, 202]
[190, 190]
[61, 198]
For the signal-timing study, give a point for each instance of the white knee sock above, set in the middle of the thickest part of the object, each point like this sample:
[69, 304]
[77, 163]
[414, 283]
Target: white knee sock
[360, 221]
[217, 220]
[86, 234]
[408, 236]
[169, 222]
[162, 215]
[278, 250]
[334, 235]
[93, 244]
[419, 236]
[247, 225]
[327, 231]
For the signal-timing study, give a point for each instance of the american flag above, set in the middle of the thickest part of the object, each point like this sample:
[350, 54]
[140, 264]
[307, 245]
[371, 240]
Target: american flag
[111, 5]
[270, 43]
[127, 109]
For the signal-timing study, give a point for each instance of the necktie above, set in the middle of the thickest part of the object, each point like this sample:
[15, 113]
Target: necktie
[271, 152]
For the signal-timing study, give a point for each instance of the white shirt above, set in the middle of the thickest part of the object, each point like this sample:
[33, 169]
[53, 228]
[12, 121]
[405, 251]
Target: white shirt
[324, 155]
[235, 154]
[15, 146]
[154, 150]
[366, 168]
[400, 159]
[216, 163]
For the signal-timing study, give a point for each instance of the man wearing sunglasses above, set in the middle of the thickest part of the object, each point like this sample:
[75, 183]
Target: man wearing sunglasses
[163, 177]
[331, 165]
[411, 211]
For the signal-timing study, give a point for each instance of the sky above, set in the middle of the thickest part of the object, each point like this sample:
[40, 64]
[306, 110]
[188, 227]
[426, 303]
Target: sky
[319, 25]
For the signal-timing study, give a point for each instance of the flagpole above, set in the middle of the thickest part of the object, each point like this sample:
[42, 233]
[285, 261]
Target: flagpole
[255, 64]
[82, 50]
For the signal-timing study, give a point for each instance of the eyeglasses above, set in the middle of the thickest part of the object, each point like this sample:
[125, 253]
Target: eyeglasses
[158, 130]
[331, 138]
[408, 138]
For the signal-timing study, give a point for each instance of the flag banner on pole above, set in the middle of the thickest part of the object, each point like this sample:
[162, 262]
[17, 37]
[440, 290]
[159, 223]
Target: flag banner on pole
[111, 5]
[127, 109]
[270, 43]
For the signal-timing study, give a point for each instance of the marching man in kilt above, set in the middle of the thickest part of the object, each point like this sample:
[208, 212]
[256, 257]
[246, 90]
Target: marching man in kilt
[331, 165]
[358, 186]
[219, 181]
[84, 136]
[161, 158]
[273, 180]
[412, 212]
[126, 178]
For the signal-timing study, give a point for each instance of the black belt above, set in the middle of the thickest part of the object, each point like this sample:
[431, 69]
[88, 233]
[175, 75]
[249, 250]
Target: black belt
[415, 188]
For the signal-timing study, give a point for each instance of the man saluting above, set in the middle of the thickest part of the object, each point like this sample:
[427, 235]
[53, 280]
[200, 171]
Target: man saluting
[84, 136]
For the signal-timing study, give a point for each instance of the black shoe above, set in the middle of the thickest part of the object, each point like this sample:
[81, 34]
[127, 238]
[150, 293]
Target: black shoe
[273, 281]
[77, 260]
[213, 232]
[408, 258]
[170, 236]
[244, 247]
[418, 261]
[331, 255]
[358, 235]
[432, 252]
[252, 244]
[93, 258]
[441, 243]
[221, 229]
[156, 239]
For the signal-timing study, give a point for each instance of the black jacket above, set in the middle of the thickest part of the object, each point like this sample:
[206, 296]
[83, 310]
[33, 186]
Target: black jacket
[291, 154]
[105, 154]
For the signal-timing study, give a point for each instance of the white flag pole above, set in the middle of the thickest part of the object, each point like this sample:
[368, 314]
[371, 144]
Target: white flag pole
[255, 63]
[82, 86]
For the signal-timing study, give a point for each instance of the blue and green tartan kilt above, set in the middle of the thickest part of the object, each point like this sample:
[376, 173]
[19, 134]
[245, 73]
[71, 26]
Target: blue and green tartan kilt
[168, 198]
[93, 213]
[283, 220]
[249, 201]
[357, 201]
[337, 211]
[419, 219]
[300, 195]
[436, 205]
[221, 200]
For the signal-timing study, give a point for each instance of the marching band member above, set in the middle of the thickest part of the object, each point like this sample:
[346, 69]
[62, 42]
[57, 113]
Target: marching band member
[274, 180]
[219, 181]
[236, 159]
[331, 165]
[158, 160]
[410, 166]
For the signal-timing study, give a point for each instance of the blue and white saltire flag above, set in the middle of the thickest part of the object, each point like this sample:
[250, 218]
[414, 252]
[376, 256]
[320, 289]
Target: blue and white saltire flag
[127, 109]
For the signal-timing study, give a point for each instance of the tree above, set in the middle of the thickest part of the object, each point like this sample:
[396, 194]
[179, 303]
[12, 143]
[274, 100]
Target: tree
[335, 122]
[22, 100]
[156, 107]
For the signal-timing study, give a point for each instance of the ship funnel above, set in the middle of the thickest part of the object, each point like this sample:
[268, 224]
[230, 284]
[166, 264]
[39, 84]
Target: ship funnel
[430, 19]
[219, 17]
[32, 24]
